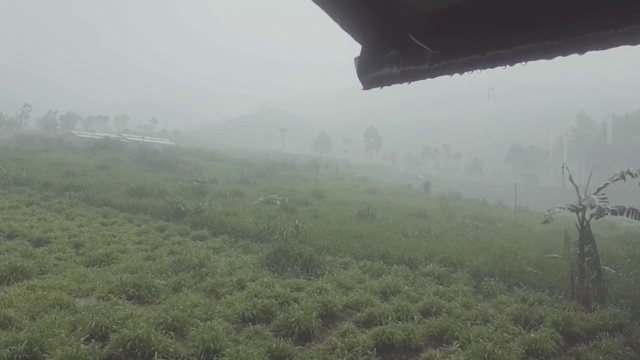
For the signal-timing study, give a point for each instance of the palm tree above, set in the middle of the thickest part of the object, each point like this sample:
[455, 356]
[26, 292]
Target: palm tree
[589, 207]
[283, 134]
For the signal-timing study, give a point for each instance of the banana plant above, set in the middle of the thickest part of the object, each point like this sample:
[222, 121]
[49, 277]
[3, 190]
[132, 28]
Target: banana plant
[589, 207]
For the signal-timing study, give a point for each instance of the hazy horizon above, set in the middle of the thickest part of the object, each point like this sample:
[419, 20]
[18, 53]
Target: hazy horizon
[198, 63]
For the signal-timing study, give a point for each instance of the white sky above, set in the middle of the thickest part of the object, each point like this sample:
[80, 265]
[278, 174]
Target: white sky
[193, 51]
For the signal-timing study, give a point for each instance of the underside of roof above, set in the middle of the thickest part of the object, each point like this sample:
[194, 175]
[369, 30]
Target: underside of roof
[411, 40]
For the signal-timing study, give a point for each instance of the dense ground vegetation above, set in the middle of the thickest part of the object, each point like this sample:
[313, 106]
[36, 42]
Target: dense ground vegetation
[110, 253]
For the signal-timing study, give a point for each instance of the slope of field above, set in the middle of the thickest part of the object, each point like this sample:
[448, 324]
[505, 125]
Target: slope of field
[109, 253]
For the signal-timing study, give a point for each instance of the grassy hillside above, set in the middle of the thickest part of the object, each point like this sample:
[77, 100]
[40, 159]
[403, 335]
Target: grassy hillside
[109, 253]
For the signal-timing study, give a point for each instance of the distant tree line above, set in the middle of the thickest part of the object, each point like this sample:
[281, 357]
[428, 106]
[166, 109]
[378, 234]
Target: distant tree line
[323, 143]
[52, 122]
[588, 143]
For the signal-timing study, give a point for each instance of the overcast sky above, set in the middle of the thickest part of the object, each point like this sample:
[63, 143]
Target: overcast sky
[221, 59]
[200, 52]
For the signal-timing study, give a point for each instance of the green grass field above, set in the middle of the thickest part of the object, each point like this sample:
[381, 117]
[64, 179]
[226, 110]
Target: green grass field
[108, 253]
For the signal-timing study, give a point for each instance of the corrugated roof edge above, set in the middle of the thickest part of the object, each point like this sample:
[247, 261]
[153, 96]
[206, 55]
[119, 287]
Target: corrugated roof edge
[389, 76]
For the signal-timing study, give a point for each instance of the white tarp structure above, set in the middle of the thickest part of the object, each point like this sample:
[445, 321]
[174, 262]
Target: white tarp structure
[147, 139]
[96, 135]
[131, 138]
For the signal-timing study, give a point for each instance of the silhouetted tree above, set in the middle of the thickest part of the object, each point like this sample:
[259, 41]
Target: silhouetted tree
[317, 165]
[450, 160]
[283, 134]
[527, 162]
[102, 121]
[436, 159]
[426, 187]
[626, 128]
[322, 144]
[372, 141]
[411, 162]
[456, 158]
[153, 124]
[427, 156]
[88, 123]
[393, 157]
[21, 119]
[475, 167]
[585, 136]
[48, 122]
[347, 143]
[69, 121]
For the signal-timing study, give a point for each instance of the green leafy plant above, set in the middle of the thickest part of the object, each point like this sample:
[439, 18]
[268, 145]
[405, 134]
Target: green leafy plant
[589, 207]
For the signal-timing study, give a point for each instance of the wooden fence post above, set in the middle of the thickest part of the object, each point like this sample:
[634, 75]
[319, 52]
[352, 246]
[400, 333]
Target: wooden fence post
[515, 202]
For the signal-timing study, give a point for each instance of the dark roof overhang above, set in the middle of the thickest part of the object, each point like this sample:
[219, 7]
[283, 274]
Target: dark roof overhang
[411, 40]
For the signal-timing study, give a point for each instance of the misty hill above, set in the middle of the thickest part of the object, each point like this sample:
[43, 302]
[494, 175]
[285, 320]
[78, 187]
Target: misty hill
[259, 130]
